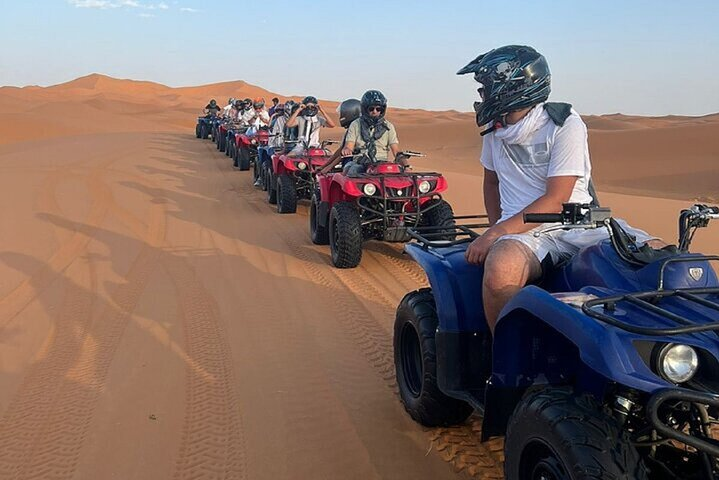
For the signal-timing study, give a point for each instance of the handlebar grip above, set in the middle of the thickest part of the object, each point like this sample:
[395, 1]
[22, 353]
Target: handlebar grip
[543, 218]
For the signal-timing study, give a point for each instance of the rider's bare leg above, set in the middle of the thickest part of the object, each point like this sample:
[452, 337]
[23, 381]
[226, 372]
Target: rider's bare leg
[509, 266]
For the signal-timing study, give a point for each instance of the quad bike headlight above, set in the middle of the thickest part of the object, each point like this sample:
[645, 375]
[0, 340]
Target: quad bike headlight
[424, 186]
[677, 363]
[254, 142]
[369, 189]
[302, 165]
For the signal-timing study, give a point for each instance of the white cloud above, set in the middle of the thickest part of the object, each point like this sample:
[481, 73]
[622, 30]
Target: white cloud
[189, 10]
[105, 4]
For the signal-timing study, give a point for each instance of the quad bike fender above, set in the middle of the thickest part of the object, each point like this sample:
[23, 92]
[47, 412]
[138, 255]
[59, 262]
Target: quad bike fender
[456, 286]
[242, 139]
[539, 338]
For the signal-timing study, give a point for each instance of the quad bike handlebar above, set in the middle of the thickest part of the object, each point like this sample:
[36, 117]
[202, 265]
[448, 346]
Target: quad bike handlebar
[573, 216]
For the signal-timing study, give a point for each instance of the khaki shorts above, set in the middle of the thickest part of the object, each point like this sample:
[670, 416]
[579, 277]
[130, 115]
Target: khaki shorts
[561, 245]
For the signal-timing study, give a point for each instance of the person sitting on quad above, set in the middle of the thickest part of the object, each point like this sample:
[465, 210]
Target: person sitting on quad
[277, 126]
[212, 108]
[273, 108]
[228, 108]
[371, 135]
[348, 111]
[290, 133]
[256, 116]
[536, 157]
[309, 118]
[238, 108]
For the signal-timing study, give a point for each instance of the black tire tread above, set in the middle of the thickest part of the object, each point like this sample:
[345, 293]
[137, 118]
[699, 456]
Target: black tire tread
[286, 194]
[347, 251]
[432, 408]
[319, 235]
[600, 450]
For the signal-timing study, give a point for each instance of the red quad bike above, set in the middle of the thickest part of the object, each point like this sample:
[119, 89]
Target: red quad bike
[380, 204]
[245, 151]
[295, 178]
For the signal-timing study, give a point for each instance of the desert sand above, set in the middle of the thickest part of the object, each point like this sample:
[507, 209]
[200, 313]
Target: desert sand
[159, 320]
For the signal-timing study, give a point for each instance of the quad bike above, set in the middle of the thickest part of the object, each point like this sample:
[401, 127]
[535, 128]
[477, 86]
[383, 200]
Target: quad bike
[293, 178]
[607, 368]
[205, 125]
[233, 130]
[245, 149]
[380, 204]
[221, 134]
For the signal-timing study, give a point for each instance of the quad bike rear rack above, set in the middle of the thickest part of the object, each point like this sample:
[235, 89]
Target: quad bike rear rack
[448, 236]
[602, 308]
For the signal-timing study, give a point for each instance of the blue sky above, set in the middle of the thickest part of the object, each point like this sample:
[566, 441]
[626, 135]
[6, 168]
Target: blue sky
[641, 57]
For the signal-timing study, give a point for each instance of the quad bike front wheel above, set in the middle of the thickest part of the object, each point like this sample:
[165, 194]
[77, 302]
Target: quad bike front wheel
[438, 213]
[319, 234]
[415, 361]
[286, 194]
[243, 158]
[204, 131]
[197, 131]
[557, 435]
[345, 235]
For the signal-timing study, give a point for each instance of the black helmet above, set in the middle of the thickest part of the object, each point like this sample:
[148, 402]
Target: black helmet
[312, 110]
[213, 103]
[373, 98]
[349, 111]
[247, 103]
[231, 101]
[238, 104]
[290, 107]
[513, 77]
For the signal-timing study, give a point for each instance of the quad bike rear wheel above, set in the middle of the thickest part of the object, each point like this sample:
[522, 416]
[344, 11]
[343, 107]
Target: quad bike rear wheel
[228, 145]
[345, 235]
[557, 435]
[415, 360]
[271, 187]
[320, 235]
[243, 158]
[197, 131]
[286, 194]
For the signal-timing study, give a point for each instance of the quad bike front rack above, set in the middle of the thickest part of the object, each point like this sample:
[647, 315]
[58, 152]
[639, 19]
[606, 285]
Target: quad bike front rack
[389, 194]
[703, 297]
[447, 236]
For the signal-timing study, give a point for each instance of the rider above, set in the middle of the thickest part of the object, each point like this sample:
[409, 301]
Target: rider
[256, 116]
[277, 125]
[371, 134]
[309, 118]
[212, 108]
[273, 108]
[238, 107]
[535, 157]
[348, 111]
[228, 108]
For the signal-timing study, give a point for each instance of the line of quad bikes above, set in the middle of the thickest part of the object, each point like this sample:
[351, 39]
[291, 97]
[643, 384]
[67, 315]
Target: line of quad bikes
[607, 368]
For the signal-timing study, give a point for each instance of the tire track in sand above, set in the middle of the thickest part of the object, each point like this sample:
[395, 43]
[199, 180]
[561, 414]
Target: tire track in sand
[54, 426]
[460, 446]
[212, 444]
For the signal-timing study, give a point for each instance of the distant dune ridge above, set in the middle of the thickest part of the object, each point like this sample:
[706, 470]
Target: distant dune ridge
[671, 156]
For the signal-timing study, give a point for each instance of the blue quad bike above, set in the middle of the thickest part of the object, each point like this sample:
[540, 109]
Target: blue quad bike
[206, 126]
[608, 368]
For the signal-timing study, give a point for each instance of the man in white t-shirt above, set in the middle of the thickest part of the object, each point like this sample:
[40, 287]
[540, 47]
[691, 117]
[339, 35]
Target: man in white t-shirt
[310, 118]
[536, 157]
[256, 116]
[228, 108]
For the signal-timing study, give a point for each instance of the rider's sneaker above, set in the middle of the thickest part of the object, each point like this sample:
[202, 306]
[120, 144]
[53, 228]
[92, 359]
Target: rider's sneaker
[257, 183]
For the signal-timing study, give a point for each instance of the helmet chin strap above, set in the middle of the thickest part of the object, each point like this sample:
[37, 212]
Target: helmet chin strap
[499, 123]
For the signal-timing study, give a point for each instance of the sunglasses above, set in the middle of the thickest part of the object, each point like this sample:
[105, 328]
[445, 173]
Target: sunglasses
[375, 109]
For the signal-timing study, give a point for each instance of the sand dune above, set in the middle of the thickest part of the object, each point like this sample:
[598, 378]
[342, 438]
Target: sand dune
[159, 320]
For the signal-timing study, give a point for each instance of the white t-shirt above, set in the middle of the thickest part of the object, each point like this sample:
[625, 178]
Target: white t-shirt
[226, 110]
[256, 119]
[526, 154]
[309, 129]
[278, 126]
